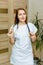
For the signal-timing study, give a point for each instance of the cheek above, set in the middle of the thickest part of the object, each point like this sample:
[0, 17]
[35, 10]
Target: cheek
[25, 17]
[19, 17]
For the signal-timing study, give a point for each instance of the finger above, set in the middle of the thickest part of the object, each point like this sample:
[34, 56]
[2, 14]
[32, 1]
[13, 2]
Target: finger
[31, 34]
[8, 34]
[10, 31]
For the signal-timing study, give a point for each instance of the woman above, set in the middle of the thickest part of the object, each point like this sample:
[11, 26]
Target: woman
[20, 37]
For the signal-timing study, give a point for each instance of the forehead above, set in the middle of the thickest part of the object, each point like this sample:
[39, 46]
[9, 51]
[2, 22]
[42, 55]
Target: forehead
[21, 11]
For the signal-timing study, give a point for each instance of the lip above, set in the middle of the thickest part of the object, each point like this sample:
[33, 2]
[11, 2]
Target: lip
[23, 18]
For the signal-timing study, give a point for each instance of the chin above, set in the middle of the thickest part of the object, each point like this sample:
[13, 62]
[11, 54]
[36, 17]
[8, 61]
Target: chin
[23, 20]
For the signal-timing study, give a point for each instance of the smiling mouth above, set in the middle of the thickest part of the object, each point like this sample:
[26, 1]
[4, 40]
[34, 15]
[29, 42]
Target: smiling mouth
[23, 18]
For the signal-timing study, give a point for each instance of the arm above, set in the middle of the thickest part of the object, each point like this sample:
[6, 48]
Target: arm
[33, 37]
[11, 40]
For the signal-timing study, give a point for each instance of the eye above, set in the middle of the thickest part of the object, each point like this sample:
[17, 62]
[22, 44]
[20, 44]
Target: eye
[20, 14]
[24, 13]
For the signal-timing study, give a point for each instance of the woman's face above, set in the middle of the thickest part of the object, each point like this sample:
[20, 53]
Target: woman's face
[21, 16]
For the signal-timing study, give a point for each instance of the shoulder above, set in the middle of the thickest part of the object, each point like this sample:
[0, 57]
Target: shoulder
[13, 27]
[29, 23]
[32, 27]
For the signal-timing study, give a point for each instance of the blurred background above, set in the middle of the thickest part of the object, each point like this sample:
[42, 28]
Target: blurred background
[7, 16]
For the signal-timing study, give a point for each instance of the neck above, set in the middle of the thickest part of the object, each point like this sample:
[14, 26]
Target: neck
[21, 23]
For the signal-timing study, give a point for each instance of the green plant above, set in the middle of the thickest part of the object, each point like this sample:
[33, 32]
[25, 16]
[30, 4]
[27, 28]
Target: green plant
[39, 41]
[37, 23]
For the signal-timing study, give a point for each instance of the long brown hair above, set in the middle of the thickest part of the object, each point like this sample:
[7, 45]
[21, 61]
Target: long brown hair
[16, 16]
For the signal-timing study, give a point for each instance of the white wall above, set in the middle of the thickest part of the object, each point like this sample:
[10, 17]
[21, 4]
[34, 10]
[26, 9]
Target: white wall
[35, 6]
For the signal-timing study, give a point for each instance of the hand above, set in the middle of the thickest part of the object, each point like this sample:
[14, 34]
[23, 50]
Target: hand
[10, 33]
[33, 37]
